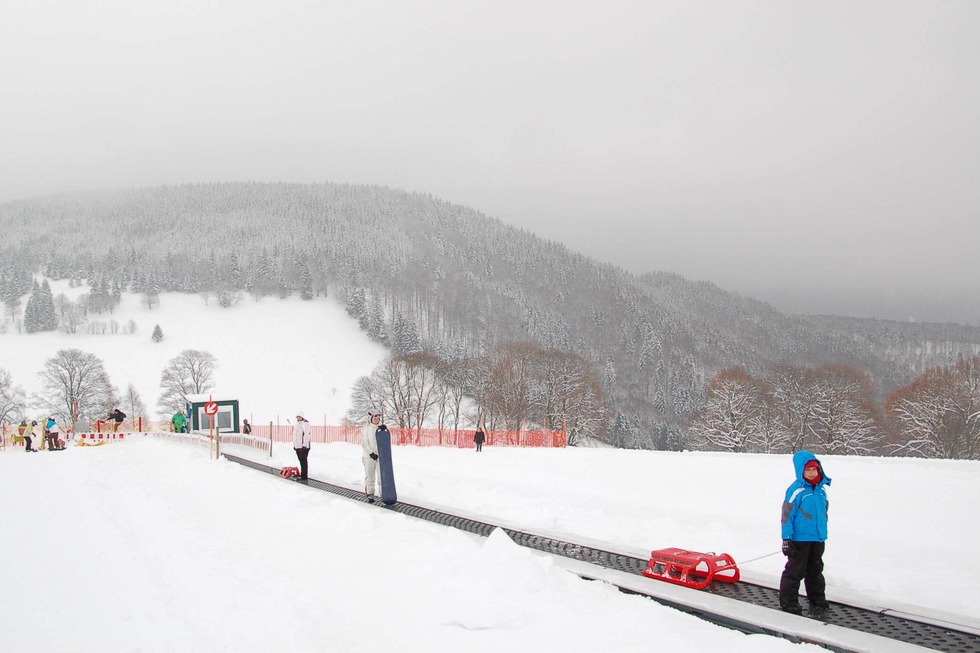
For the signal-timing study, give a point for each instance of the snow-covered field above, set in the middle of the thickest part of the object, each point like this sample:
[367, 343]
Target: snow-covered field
[276, 356]
[150, 546]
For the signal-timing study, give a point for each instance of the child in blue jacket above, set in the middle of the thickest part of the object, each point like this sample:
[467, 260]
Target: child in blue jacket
[804, 519]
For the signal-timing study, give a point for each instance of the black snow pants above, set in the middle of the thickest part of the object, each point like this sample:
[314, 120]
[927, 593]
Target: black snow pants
[805, 563]
[303, 455]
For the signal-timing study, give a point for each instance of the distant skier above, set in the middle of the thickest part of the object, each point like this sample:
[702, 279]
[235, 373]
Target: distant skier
[369, 453]
[29, 436]
[804, 520]
[302, 437]
[116, 418]
[52, 431]
[479, 438]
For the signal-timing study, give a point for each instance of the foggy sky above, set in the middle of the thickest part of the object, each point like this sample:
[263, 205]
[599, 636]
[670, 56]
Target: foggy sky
[823, 156]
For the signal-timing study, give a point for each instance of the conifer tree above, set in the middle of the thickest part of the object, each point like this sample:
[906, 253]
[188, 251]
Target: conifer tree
[305, 281]
[157, 334]
[39, 314]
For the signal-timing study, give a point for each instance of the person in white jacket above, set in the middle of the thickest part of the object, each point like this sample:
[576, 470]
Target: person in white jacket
[369, 453]
[302, 437]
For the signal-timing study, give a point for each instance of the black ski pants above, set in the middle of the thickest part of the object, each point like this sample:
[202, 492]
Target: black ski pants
[304, 455]
[805, 563]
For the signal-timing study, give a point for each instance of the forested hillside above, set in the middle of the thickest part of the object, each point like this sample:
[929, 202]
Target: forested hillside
[422, 274]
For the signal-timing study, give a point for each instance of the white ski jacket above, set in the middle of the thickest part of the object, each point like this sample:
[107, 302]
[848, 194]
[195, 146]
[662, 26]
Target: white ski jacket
[369, 440]
[302, 436]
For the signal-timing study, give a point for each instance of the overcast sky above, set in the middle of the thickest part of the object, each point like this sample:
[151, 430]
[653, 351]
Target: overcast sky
[823, 156]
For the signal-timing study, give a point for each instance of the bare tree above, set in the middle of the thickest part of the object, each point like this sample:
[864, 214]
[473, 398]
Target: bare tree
[75, 384]
[133, 403]
[937, 416]
[192, 372]
[454, 376]
[11, 398]
[730, 415]
[571, 396]
[845, 417]
[368, 394]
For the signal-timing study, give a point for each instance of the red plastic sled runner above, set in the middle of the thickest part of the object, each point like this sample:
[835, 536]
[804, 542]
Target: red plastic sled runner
[690, 568]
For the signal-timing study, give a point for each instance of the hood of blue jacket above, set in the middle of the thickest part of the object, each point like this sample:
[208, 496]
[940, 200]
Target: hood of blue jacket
[800, 459]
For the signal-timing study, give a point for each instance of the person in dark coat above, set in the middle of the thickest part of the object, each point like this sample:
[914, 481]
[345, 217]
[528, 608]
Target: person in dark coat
[479, 437]
[116, 417]
[246, 427]
[804, 524]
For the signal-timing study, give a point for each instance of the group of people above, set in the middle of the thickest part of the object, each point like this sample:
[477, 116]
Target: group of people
[49, 434]
[302, 438]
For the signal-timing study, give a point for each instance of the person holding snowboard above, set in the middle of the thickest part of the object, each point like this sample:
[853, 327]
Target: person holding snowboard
[804, 521]
[369, 453]
[302, 438]
[479, 438]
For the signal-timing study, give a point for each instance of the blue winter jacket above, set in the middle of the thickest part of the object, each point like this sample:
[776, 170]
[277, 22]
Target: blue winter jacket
[805, 507]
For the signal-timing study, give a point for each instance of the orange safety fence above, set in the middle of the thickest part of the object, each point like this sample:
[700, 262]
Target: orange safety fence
[420, 437]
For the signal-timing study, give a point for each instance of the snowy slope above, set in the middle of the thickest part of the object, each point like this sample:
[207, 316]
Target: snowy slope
[149, 546]
[169, 541]
[276, 356]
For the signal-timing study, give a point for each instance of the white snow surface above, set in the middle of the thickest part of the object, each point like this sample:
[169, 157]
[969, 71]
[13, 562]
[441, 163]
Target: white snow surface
[276, 356]
[148, 545]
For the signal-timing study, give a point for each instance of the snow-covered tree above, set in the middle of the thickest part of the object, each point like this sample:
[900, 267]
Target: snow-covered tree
[75, 379]
[132, 403]
[12, 398]
[191, 372]
[39, 314]
[726, 421]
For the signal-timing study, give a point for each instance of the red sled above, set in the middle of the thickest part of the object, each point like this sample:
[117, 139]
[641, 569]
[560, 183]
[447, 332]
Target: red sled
[690, 568]
[289, 472]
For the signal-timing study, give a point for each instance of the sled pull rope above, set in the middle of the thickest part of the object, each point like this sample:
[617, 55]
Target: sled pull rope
[745, 562]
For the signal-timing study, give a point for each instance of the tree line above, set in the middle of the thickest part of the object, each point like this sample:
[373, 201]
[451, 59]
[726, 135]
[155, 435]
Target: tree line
[518, 385]
[422, 274]
[832, 409]
[76, 388]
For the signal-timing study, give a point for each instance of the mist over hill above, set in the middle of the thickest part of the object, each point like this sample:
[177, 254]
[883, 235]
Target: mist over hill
[420, 273]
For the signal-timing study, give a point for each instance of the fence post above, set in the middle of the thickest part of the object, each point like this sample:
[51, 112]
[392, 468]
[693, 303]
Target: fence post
[270, 439]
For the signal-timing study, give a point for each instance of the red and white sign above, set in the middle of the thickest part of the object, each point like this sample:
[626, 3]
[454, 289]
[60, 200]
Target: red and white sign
[211, 408]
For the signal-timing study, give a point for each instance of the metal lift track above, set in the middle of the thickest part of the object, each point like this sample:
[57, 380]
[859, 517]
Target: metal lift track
[882, 624]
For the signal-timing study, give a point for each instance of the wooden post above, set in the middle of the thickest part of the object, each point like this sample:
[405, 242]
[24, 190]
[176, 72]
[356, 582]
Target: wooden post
[270, 439]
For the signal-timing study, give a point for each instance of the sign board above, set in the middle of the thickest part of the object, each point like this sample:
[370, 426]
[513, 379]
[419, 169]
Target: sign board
[211, 408]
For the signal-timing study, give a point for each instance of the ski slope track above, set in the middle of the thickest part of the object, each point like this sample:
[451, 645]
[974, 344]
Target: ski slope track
[744, 606]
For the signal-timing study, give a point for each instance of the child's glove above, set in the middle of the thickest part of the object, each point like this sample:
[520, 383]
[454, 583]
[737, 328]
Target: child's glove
[787, 547]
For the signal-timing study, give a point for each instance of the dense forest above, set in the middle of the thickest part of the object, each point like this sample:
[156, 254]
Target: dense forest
[423, 275]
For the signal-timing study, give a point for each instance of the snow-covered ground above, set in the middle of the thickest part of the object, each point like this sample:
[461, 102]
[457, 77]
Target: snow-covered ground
[148, 545]
[276, 356]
